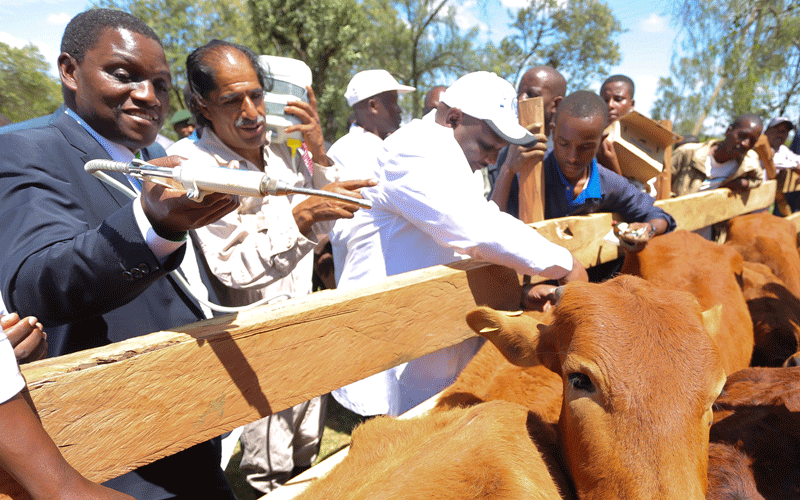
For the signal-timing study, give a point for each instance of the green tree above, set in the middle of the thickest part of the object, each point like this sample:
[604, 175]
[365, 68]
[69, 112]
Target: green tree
[753, 47]
[26, 88]
[184, 25]
[420, 43]
[325, 34]
[578, 38]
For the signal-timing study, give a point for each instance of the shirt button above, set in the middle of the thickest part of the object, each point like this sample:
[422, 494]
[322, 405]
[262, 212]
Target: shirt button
[128, 276]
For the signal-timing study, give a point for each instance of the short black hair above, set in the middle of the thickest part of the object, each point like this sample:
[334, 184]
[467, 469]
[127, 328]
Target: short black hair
[620, 78]
[747, 118]
[84, 30]
[200, 73]
[583, 104]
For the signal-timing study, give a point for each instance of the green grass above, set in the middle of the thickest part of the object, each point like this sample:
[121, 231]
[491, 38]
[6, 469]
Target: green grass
[339, 424]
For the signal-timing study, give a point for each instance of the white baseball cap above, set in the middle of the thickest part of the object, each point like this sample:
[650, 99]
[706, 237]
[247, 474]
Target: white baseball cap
[366, 84]
[486, 96]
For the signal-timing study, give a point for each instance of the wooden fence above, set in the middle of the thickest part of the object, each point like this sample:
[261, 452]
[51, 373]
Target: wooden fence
[118, 407]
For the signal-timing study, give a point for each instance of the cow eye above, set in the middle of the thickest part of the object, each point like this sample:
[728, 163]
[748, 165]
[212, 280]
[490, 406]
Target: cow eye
[581, 382]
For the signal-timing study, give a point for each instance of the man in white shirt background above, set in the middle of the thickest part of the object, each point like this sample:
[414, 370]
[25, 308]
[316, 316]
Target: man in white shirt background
[373, 96]
[429, 210]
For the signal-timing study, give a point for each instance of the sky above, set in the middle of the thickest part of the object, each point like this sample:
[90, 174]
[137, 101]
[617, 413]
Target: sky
[646, 46]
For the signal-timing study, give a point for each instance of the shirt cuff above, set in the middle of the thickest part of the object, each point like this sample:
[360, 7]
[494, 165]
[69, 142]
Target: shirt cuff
[11, 381]
[161, 247]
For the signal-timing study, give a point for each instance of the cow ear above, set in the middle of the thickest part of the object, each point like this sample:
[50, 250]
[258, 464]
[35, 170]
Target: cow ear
[712, 320]
[515, 335]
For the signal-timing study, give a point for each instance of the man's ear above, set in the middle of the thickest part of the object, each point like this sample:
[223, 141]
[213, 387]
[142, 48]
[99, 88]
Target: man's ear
[633, 103]
[372, 105]
[453, 118]
[67, 65]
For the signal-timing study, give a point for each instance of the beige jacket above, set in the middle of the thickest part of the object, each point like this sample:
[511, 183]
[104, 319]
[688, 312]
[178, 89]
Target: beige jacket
[689, 168]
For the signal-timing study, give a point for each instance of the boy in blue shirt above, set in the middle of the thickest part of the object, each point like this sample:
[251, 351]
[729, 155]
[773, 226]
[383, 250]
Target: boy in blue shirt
[574, 184]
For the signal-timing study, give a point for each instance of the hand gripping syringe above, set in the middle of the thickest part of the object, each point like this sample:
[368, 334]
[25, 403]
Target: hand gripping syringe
[199, 180]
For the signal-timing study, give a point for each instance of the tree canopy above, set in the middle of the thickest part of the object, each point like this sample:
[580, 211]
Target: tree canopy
[743, 55]
[419, 41]
[26, 88]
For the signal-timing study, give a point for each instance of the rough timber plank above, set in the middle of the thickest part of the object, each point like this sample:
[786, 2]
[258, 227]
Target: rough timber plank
[127, 404]
[695, 211]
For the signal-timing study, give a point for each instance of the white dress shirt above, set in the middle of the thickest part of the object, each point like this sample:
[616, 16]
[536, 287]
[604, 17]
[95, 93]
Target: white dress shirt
[357, 154]
[429, 210]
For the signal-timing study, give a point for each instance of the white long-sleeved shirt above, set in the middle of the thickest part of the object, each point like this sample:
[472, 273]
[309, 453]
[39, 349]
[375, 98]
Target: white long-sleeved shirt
[429, 210]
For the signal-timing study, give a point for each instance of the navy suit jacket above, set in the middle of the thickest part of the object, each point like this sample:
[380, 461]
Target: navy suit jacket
[75, 259]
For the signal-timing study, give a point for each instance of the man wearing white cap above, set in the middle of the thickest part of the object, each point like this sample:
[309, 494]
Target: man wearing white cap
[373, 96]
[428, 210]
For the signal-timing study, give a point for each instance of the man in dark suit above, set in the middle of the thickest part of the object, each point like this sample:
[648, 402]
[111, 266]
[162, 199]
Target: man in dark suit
[80, 256]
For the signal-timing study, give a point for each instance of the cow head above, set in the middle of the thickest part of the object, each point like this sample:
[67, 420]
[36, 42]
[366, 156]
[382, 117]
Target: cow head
[640, 375]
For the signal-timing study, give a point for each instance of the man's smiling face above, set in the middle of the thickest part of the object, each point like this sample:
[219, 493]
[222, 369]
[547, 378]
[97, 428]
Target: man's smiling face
[121, 87]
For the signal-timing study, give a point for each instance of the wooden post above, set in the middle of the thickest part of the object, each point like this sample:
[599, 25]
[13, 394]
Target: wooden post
[664, 181]
[531, 175]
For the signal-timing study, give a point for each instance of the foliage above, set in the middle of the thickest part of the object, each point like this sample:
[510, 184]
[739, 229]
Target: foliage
[184, 25]
[420, 43]
[326, 35]
[26, 89]
[578, 38]
[753, 45]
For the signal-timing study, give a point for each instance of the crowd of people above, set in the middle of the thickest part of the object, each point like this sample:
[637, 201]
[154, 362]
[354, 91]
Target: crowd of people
[90, 265]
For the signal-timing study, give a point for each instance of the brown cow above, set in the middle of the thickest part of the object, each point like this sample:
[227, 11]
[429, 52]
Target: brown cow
[639, 373]
[730, 476]
[483, 452]
[712, 272]
[769, 240]
[758, 415]
[776, 315]
[771, 283]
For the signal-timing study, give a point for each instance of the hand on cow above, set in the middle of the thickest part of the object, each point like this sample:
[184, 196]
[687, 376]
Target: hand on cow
[172, 213]
[540, 297]
[319, 209]
[27, 337]
[578, 273]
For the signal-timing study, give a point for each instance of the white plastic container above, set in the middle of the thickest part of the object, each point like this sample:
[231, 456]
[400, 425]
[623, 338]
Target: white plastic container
[290, 78]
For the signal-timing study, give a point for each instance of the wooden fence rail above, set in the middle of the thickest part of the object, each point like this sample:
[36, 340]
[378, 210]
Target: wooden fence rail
[118, 407]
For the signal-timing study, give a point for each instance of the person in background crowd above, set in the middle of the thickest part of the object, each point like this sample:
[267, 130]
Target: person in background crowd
[183, 123]
[730, 163]
[429, 209]
[102, 258]
[617, 91]
[551, 86]
[784, 158]
[263, 249]
[373, 96]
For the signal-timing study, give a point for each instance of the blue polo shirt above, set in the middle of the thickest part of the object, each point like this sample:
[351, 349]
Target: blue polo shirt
[606, 191]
